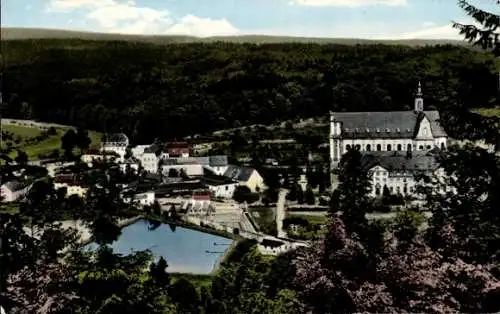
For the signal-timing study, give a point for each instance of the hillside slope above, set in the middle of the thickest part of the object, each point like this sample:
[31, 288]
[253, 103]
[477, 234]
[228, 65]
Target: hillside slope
[15, 33]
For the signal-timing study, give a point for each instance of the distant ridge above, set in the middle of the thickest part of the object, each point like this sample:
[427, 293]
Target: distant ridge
[19, 33]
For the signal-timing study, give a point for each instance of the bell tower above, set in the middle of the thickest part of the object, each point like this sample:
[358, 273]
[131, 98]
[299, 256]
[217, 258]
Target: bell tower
[419, 101]
[335, 141]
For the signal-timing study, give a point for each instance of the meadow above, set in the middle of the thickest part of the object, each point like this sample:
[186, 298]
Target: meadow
[35, 142]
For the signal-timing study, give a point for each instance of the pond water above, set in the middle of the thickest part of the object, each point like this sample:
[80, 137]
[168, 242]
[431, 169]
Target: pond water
[186, 250]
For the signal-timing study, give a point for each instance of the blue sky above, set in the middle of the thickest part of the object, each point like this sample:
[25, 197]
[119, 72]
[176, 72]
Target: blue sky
[376, 19]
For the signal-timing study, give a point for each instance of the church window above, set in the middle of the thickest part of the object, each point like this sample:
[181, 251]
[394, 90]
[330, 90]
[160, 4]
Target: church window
[405, 189]
[421, 147]
[428, 146]
[347, 147]
[442, 146]
[400, 147]
[389, 147]
[368, 147]
[379, 147]
[392, 189]
[408, 147]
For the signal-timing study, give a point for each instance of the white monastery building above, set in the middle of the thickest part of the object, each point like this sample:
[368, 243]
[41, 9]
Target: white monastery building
[374, 133]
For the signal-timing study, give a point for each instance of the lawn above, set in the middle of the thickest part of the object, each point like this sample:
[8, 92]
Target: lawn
[312, 219]
[197, 280]
[488, 112]
[264, 218]
[21, 134]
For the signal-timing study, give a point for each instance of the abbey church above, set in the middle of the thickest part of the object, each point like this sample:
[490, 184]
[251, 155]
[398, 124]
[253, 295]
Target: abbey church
[403, 133]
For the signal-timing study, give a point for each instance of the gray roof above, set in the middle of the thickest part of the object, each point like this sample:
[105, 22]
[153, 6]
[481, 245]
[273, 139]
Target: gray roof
[151, 149]
[16, 185]
[116, 138]
[398, 161]
[385, 124]
[239, 173]
[214, 161]
[218, 161]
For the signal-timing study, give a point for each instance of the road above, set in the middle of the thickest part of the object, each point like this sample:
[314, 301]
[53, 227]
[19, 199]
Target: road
[280, 212]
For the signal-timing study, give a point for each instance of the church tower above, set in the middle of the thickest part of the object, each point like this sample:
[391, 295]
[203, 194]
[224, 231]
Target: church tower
[335, 141]
[419, 101]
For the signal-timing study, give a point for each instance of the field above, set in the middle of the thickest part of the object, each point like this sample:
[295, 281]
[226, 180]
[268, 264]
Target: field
[23, 139]
[488, 112]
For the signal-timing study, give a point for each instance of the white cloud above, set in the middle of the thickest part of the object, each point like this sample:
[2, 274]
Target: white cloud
[127, 18]
[203, 27]
[428, 24]
[433, 31]
[348, 3]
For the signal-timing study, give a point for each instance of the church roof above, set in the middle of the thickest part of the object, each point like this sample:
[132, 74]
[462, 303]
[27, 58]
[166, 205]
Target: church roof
[385, 124]
[398, 161]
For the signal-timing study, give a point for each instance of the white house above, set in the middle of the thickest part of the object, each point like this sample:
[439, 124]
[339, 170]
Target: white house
[146, 198]
[14, 190]
[131, 162]
[149, 158]
[274, 247]
[72, 184]
[138, 150]
[220, 186]
[397, 170]
[386, 131]
[246, 176]
[115, 142]
[195, 166]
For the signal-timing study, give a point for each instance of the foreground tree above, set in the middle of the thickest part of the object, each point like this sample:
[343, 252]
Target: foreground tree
[409, 277]
[487, 35]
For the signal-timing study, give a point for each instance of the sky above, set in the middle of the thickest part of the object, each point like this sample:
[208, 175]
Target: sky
[371, 19]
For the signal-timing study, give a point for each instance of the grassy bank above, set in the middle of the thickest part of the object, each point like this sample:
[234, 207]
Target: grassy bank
[32, 141]
[264, 217]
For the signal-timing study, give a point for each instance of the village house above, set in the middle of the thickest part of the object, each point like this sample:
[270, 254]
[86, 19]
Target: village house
[115, 142]
[220, 186]
[149, 158]
[246, 176]
[72, 183]
[92, 155]
[130, 163]
[143, 199]
[177, 149]
[15, 190]
[194, 166]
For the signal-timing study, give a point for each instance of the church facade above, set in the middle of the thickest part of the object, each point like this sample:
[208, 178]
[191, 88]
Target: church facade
[386, 131]
[376, 133]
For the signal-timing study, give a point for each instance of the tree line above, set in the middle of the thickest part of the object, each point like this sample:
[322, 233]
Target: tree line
[150, 91]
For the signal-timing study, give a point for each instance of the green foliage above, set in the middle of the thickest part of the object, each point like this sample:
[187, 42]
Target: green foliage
[485, 36]
[351, 196]
[187, 89]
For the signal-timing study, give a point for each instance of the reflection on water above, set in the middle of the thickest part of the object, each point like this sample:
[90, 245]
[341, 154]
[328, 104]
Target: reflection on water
[184, 249]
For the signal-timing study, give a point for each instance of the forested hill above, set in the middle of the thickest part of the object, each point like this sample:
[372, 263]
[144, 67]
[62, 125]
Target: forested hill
[166, 91]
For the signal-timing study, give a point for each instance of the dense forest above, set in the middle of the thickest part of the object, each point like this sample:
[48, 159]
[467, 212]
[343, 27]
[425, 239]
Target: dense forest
[165, 91]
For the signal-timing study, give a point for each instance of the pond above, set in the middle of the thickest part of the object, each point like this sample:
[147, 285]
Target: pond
[185, 250]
